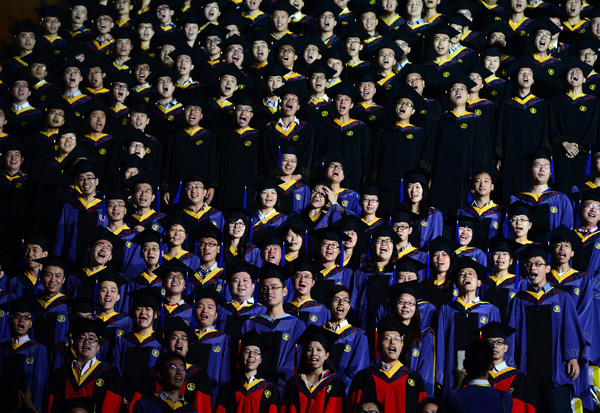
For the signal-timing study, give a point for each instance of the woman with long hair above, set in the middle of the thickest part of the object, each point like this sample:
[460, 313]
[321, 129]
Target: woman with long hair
[236, 236]
[429, 221]
[322, 210]
[316, 387]
[265, 211]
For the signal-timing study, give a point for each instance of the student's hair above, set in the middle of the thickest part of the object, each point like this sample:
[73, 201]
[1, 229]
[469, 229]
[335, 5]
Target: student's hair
[336, 289]
[256, 206]
[371, 262]
[411, 338]
[424, 203]
[425, 402]
[376, 402]
[165, 359]
[241, 249]
[479, 356]
[303, 365]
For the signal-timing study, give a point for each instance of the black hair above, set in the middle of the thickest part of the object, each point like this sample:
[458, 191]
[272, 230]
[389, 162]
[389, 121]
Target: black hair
[164, 359]
[479, 356]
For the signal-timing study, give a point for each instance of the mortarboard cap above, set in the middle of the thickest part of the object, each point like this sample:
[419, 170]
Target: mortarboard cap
[442, 244]
[562, 233]
[267, 236]
[317, 333]
[392, 324]
[266, 182]
[205, 292]
[26, 26]
[494, 329]
[499, 243]
[85, 325]
[209, 230]
[534, 250]
[407, 92]
[148, 296]
[305, 264]
[385, 230]
[147, 235]
[237, 266]
[352, 223]
[268, 271]
[408, 264]
[253, 338]
[537, 152]
[401, 215]
[467, 262]
[413, 288]
[109, 274]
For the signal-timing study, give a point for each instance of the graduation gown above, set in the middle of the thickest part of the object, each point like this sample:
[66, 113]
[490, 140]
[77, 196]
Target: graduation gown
[300, 135]
[427, 228]
[239, 396]
[191, 152]
[326, 219]
[354, 141]
[132, 354]
[212, 352]
[150, 219]
[154, 404]
[398, 149]
[327, 396]
[556, 210]
[101, 383]
[232, 317]
[572, 119]
[309, 311]
[164, 121]
[548, 335]
[398, 388]
[492, 212]
[374, 116]
[588, 258]
[350, 353]
[51, 320]
[240, 156]
[77, 224]
[422, 359]
[140, 281]
[293, 197]
[522, 123]
[518, 384]
[282, 333]
[27, 361]
[273, 219]
[474, 253]
[326, 279]
[461, 140]
[454, 321]
[476, 398]
[499, 292]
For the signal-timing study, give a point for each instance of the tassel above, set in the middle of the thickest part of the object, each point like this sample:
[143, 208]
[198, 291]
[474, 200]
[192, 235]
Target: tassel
[22, 249]
[255, 293]
[390, 220]
[279, 156]
[95, 296]
[457, 231]
[370, 240]
[506, 224]
[551, 166]
[178, 194]
[322, 166]
[295, 358]
[470, 184]
[589, 161]
[342, 254]
[394, 274]
[401, 189]
[578, 210]
[517, 268]
[157, 199]
[195, 247]
[221, 253]
[103, 208]
[162, 314]
[282, 254]
[160, 257]
[375, 346]
[306, 240]
[245, 195]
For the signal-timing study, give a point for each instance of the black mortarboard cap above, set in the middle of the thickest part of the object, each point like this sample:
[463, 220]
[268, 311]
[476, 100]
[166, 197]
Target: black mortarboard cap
[442, 244]
[253, 338]
[109, 274]
[544, 23]
[25, 26]
[237, 266]
[185, 50]
[292, 88]
[305, 264]
[467, 262]
[274, 69]
[562, 233]
[55, 261]
[269, 270]
[401, 215]
[102, 233]
[537, 152]
[85, 325]
[413, 288]
[346, 89]
[458, 19]
[407, 92]
[122, 76]
[148, 296]
[50, 11]
[295, 223]
[387, 43]
[12, 144]
[352, 223]
[163, 72]
[145, 177]
[209, 230]
[22, 305]
[266, 182]
[205, 292]
[459, 78]
[494, 329]
[317, 333]
[442, 29]
[177, 324]
[409, 264]
[534, 250]
[101, 10]
[285, 6]
[319, 66]
[499, 243]
[590, 195]
[574, 62]
[147, 235]
[520, 208]
[132, 161]
[267, 236]
[329, 233]
[82, 167]
[392, 324]
[385, 230]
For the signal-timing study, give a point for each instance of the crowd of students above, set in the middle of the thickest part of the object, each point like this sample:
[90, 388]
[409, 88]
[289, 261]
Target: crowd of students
[273, 206]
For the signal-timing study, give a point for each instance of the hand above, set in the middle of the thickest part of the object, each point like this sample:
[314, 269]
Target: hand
[571, 149]
[210, 194]
[296, 177]
[573, 369]
[139, 228]
[499, 165]
[331, 196]
[166, 197]
[25, 399]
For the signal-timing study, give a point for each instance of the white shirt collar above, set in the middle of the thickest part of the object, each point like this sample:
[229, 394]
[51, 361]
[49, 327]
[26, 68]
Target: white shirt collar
[88, 365]
[479, 382]
[336, 328]
[500, 367]
[286, 128]
[163, 396]
[23, 106]
[23, 339]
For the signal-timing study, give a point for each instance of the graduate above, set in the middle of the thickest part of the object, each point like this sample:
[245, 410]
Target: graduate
[20, 348]
[212, 348]
[400, 148]
[293, 195]
[357, 141]
[483, 180]
[594, 167]
[522, 122]
[103, 248]
[265, 212]
[330, 244]
[294, 232]
[268, 248]
[319, 108]
[478, 394]
[501, 376]
[400, 221]
[171, 371]
[192, 151]
[85, 375]
[365, 110]
[453, 318]
[552, 365]
[288, 131]
[248, 391]
[323, 209]
[111, 287]
[197, 211]
[282, 328]
[567, 110]
[240, 149]
[35, 247]
[438, 287]
[549, 66]
[587, 258]
[418, 348]
[81, 216]
[50, 320]
[208, 273]
[353, 240]
[138, 350]
[471, 234]
[149, 242]
[196, 388]
[389, 381]
[302, 304]
[167, 112]
[369, 206]
[73, 73]
[176, 236]
[144, 188]
[519, 216]
[27, 119]
[175, 275]
[449, 191]
[502, 285]
[79, 14]
[235, 235]
[332, 171]
[316, 385]
[555, 207]
[429, 221]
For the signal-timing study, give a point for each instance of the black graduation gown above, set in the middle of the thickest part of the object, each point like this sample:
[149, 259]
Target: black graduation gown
[522, 123]
[374, 116]
[301, 136]
[460, 141]
[354, 141]
[240, 166]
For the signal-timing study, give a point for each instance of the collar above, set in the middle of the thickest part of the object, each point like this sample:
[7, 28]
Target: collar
[207, 271]
[389, 371]
[20, 108]
[270, 214]
[323, 98]
[480, 383]
[544, 289]
[270, 103]
[173, 405]
[500, 367]
[248, 303]
[21, 340]
[287, 128]
[335, 329]
[71, 96]
[276, 318]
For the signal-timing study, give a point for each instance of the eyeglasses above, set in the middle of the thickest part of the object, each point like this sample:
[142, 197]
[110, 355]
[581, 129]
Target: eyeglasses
[143, 191]
[458, 89]
[406, 303]
[352, 41]
[213, 41]
[303, 277]
[441, 39]
[332, 245]
[401, 227]
[530, 265]
[105, 246]
[370, 200]
[290, 98]
[404, 103]
[176, 367]
[518, 220]
[242, 110]
[390, 338]
[142, 69]
[586, 54]
[176, 337]
[207, 244]
[113, 205]
[414, 80]
[121, 87]
[499, 342]
[237, 224]
[21, 317]
[384, 242]
[175, 277]
[150, 249]
[194, 187]
[592, 206]
[541, 165]
[177, 230]
[543, 35]
[37, 66]
[268, 288]
[251, 352]
[387, 54]
[56, 113]
[83, 179]
[317, 77]
[326, 17]
[83, 339]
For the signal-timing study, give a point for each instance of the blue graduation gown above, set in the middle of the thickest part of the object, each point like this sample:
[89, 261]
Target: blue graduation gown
[5, 297]
[140, 281]
[348, 199]
[51, 320]
[232, 316]
[212, 352]
[455, 321]
[282, 333]
[560, 209]
[474, 399]
[309, 311]
[18, 284]
[212, 280]
[29, 361]
[350, 353]
[416, 254]
[115, 326]
[132, 356]
[499, 292]
[473, 253]
[154, 404]
[182, 310]
[151, 219]
[327, 279]
[273, 220]
[428, 228]
[492, 213]
[548, 334]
